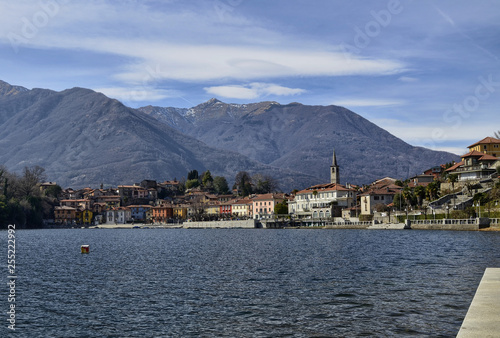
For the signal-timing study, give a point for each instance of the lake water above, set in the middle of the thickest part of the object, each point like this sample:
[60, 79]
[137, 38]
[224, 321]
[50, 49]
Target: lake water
[245, 283]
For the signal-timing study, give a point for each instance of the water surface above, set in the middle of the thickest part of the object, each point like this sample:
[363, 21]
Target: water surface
[246, 283]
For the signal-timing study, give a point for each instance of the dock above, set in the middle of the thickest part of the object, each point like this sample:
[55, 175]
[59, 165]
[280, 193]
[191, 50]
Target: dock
[483, 316]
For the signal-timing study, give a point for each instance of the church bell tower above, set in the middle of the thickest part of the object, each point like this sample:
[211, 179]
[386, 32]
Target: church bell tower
[334, 170]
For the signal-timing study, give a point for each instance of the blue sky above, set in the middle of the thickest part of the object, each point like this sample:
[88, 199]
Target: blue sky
[426, 71]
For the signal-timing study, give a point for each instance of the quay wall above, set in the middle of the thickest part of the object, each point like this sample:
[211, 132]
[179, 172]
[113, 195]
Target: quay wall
[482, 317]
[242, 224]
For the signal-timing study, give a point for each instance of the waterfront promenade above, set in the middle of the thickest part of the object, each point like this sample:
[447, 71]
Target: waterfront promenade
[483, 317]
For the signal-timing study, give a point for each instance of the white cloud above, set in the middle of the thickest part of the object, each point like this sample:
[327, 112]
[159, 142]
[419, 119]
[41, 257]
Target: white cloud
[367, 103]
[252, 91]
[138, 94]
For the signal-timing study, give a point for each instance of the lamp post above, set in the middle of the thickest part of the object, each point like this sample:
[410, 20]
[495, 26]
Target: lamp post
[448, 211]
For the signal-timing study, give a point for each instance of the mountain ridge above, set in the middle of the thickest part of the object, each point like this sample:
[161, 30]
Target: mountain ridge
[301, 138]
[83, 138]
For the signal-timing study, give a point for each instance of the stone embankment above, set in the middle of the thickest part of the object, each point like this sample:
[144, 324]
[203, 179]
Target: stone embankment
[241, 224]
[482, 318]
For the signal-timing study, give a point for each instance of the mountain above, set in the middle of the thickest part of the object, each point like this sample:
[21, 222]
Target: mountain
[302, 138]
[83, 138]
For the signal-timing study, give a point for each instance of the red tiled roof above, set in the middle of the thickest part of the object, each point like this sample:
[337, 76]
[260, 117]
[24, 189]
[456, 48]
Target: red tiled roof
[455, 166]
[486, 140]
[325, 187]
[268, 197]
[482, 156]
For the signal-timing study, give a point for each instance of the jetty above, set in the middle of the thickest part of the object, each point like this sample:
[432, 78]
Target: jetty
[483, 316]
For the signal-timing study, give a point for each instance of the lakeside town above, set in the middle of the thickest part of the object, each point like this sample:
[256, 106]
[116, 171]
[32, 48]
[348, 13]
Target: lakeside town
[467, 190]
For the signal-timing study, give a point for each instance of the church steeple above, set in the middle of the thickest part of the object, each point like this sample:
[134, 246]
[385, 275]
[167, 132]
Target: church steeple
[334, 170]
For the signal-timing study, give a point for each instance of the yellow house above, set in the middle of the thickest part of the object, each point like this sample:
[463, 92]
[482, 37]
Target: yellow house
[212, 209]
[87, 216]
[180, 211]
[488, 145]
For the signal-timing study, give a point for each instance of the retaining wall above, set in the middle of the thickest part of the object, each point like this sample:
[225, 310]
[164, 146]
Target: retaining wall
[246, 224]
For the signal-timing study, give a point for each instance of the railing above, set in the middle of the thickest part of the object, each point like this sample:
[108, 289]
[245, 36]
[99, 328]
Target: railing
[444, 221]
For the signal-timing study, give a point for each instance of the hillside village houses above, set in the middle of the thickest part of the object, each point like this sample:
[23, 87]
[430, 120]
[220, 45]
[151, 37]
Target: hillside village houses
[156, 202]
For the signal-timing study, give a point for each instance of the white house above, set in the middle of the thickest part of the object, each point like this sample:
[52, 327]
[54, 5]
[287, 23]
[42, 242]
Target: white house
[318, 201]
[118, 215]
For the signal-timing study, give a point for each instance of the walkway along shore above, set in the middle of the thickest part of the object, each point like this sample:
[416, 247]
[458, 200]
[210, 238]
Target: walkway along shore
[483, 317]
[481, 224]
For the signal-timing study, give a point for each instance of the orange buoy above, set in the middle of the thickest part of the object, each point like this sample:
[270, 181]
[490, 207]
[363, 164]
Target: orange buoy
[85, 249]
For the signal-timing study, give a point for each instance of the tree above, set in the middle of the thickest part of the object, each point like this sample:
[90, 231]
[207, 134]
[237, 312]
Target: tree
[207, 180]
[419, 192]
[453, 178]
[192, 175]
[243, 183]
[220, 185]
[193, 183]
[432, 190]
[28, 185]
[281, 208]
[408, 195]
[399, 201]
[264, 184]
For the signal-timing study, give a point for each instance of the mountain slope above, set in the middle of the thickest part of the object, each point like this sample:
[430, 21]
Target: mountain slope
[301, 138]
[83, 138]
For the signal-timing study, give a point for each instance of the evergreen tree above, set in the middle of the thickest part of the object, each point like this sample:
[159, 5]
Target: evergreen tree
[220, 185]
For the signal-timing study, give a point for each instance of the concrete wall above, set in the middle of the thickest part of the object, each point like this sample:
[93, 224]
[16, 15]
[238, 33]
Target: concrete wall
[482, 318]
[246, 224]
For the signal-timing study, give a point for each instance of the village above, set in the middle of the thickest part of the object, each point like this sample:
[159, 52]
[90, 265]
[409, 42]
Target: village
[467, 190]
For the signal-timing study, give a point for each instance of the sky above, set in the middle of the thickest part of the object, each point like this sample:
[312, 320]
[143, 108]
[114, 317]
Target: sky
[426, 71]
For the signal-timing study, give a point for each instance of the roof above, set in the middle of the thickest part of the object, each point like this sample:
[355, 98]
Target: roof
[325, 187]
[482, 156]
[486, 140]
[382, 191]
[455, 166]
[266, 197]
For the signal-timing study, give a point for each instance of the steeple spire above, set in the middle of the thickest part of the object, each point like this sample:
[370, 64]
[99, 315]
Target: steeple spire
[334, 170]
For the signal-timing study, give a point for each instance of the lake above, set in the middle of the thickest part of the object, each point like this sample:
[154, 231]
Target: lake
[245, 283]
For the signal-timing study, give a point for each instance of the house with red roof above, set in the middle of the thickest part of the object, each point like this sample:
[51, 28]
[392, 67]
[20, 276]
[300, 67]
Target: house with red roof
[475, 165]
[322, 201]
[488, 145]
[263, 204]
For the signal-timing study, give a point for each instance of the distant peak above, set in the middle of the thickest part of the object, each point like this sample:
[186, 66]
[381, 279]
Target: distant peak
[213, 101]
[7, 89]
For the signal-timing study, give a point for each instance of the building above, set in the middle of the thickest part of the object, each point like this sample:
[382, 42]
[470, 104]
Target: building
[422, 180]
[436, 171]
[120, 215]
[322, 201]
[243, 208]
[488, 145]
[370, 199]
[64, 214]
[263, 205]
[334, 171]
[162, 213]
[475, 165]
[138, 212]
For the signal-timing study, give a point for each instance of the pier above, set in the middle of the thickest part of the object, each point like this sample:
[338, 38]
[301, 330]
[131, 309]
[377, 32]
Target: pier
[483, 316]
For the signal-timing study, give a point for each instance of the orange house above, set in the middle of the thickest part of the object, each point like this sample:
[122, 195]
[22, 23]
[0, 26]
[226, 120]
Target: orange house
[162, 213]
